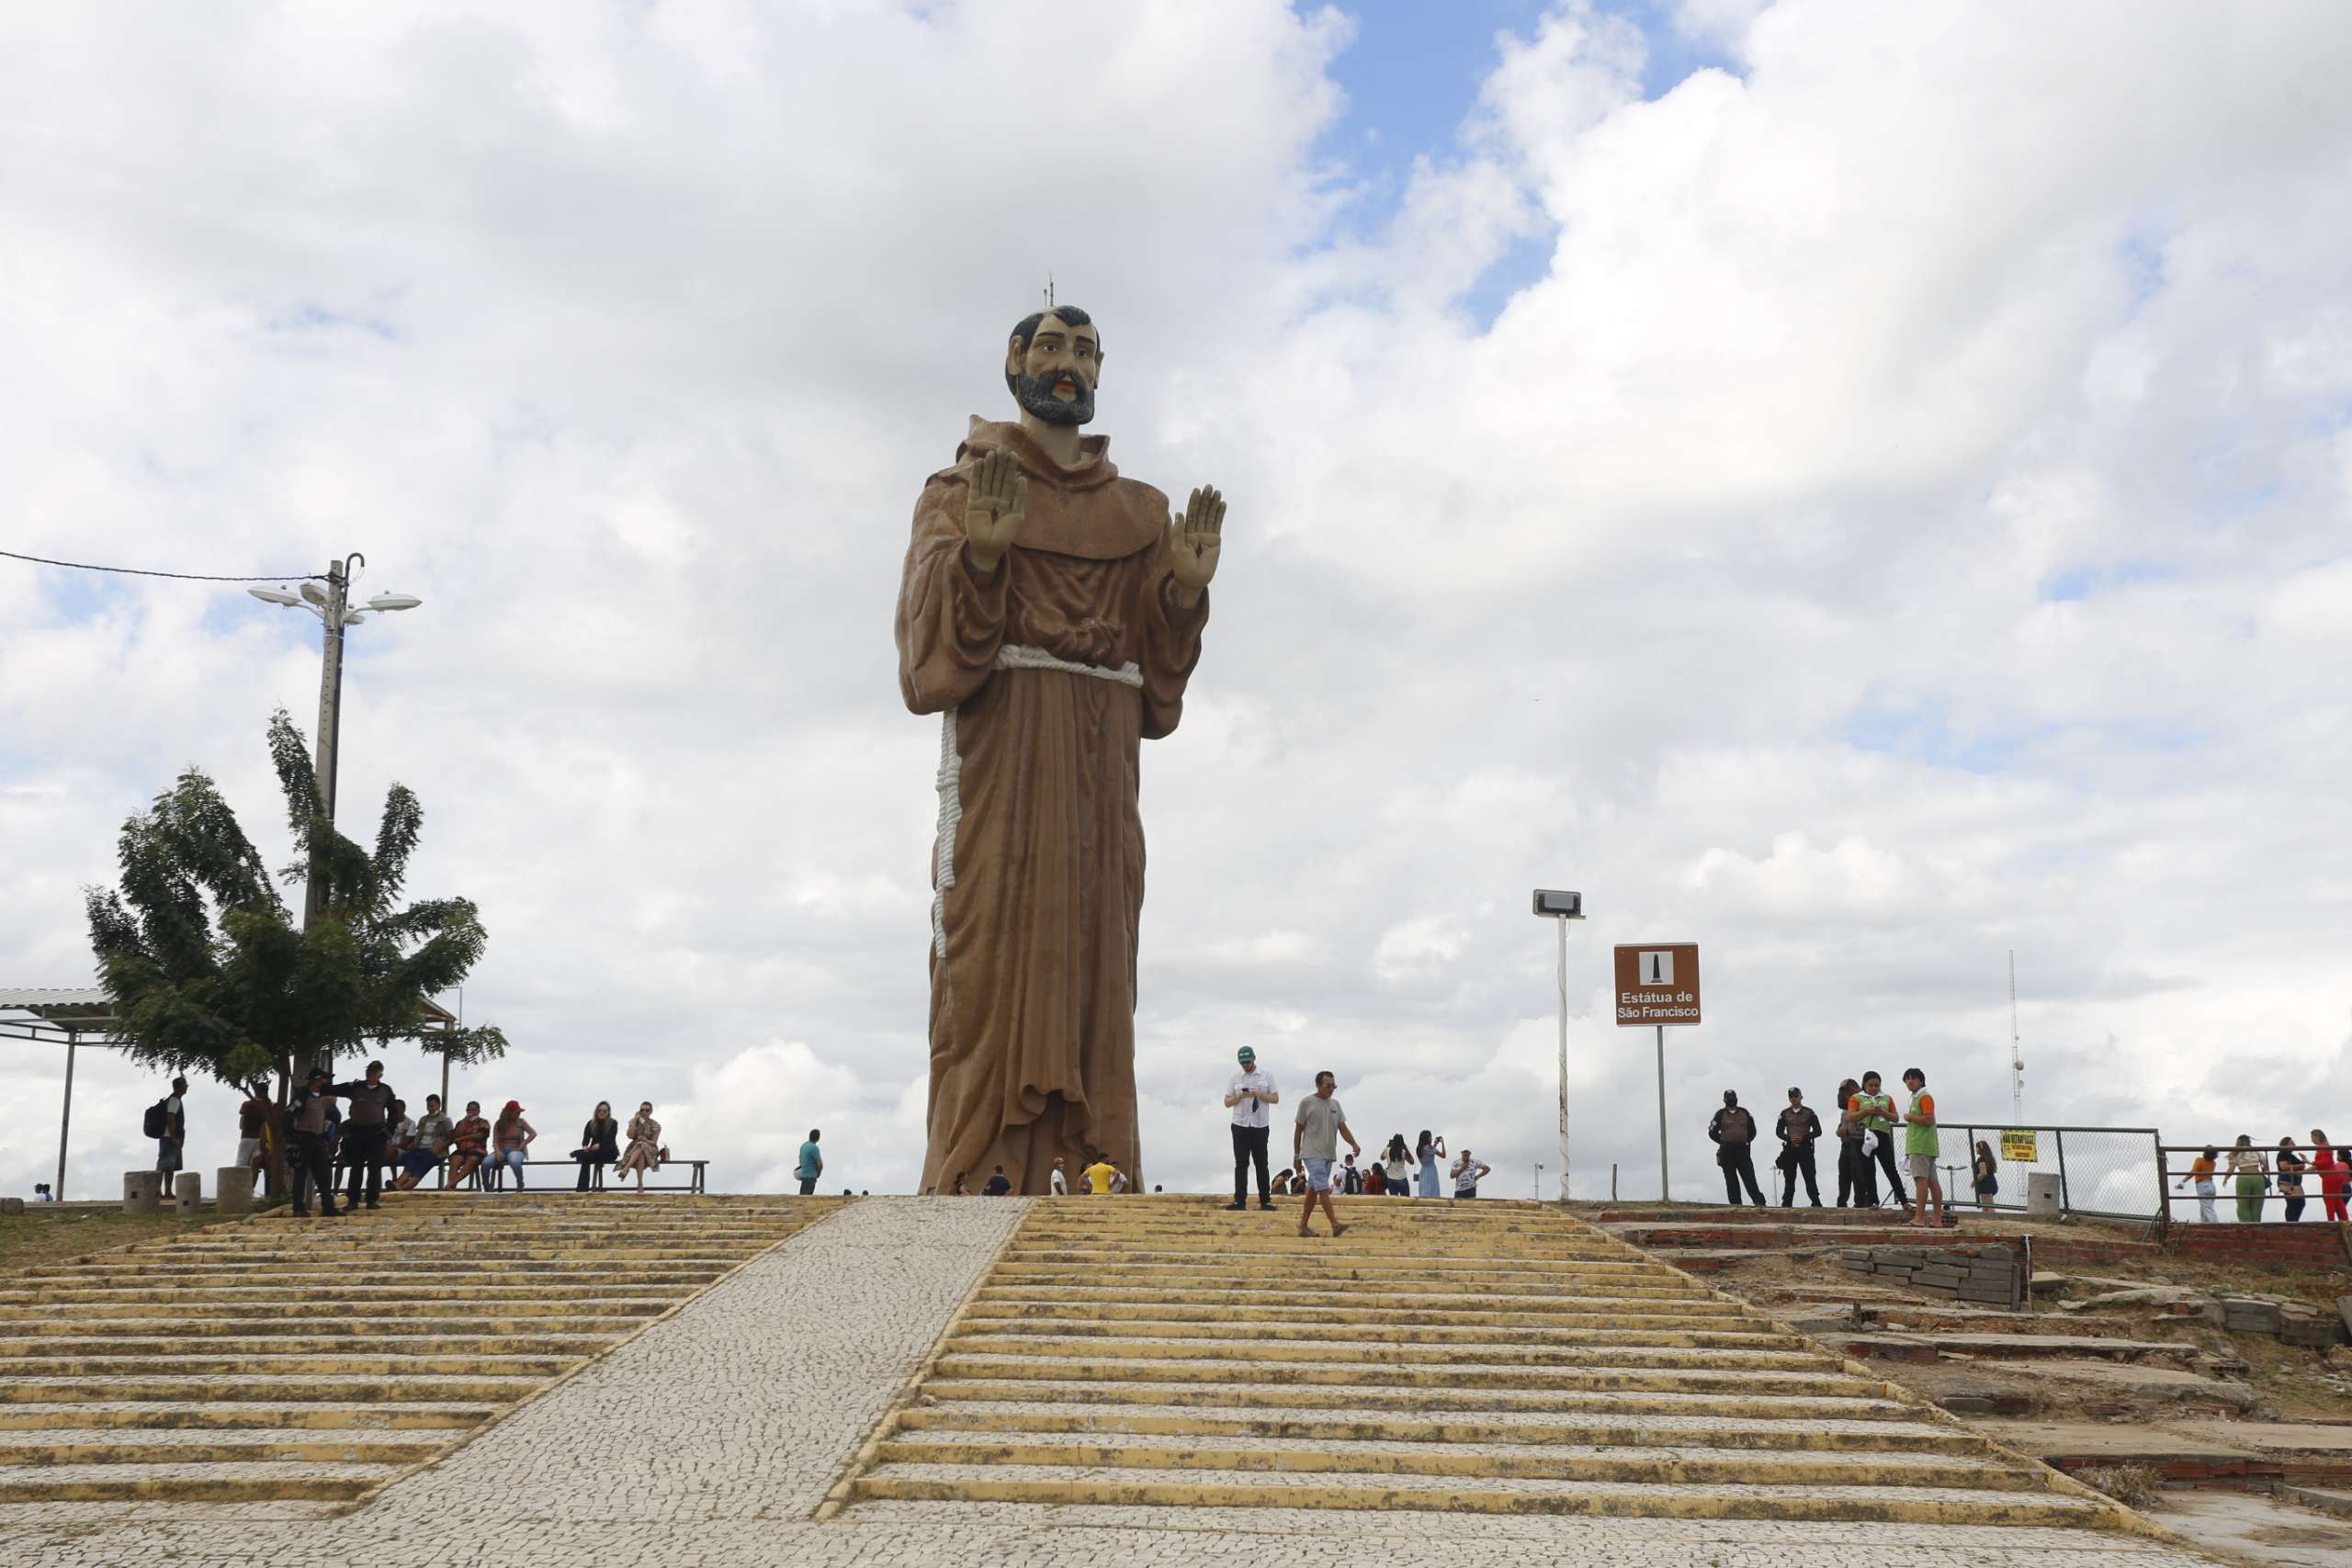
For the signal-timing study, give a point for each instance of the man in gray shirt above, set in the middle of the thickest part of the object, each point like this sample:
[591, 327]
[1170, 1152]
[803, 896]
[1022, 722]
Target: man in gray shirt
[1315, 1139]
[369, 1118]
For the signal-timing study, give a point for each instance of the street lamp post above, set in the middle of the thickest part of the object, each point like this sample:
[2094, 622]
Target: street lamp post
[332, 604]
[1563, 907]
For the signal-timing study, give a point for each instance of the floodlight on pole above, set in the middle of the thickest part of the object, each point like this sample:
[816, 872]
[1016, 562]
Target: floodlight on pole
[1562, 907]
[332, 605]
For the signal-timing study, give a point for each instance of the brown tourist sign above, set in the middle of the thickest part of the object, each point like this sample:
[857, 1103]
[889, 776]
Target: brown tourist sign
[1658, 983]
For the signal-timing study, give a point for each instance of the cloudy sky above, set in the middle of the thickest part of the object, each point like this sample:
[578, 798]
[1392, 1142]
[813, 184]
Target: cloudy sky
[1862, 488]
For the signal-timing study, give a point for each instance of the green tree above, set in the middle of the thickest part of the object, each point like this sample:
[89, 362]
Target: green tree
[209, 973]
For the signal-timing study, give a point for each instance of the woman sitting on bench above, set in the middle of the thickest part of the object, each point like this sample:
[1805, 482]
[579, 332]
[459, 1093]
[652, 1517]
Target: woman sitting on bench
[511, 1143]
[469, 1142]
[644, 1151]
[599, 1145]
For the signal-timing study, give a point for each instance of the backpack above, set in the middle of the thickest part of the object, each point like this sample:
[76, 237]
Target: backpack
[157, 1123]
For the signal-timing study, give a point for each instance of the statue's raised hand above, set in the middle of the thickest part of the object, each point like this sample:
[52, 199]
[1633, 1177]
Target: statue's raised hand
[1193, 539]
[998, 505]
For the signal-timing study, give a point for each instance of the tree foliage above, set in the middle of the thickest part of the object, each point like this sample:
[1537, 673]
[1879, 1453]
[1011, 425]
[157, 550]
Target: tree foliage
[209, 970]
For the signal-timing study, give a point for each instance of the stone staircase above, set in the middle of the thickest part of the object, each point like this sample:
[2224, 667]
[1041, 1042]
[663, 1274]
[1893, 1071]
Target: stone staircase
[315, 1359]
[1483, 1358]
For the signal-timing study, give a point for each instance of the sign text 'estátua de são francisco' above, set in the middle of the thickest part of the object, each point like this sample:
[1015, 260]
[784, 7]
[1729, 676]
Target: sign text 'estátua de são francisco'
[1657, 982]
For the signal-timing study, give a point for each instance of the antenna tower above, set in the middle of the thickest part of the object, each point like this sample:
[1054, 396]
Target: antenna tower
[2016, 1056]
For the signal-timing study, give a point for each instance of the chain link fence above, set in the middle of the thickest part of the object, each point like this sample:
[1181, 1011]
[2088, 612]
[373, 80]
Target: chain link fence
[2103, 1172]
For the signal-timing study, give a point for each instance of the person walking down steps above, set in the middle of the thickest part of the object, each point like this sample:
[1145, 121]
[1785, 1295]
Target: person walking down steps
[1314, 1141]
[1733, 1133]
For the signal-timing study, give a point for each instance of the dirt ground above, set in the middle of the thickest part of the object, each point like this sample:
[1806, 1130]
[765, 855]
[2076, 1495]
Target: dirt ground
[58, 1232]
[2295, 1382]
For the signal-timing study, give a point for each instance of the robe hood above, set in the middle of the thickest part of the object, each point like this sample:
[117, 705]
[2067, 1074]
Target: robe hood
[1088, 510]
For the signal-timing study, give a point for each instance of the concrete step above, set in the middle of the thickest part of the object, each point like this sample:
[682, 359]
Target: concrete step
[1337, 1424]
[1617, 1301]
[1674, 1234]
[1280, 1355]
[15, 1369]
[386, 1345]
[305, 1362]
[124, 1414]
[1419, 1398]
[1450, 1268]
[211, 1297]
[246, 1482]
[85, 1446]
[1370, 1249]
[411, 1254]
[390, 1267]
[1615, 1215]
[1160, 1357]
[1399, 1330]
[1460, 1283]
[213, 1321]
[1685, 1464]
[1341, 1308]
[1925, 1347]
[1447, 1376]
[1492, 1495]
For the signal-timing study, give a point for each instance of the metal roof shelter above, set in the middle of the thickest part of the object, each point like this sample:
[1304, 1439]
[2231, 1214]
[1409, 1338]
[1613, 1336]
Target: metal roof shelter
[76, 1016]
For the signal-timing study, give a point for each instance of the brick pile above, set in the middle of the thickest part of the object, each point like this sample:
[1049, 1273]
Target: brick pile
[1991, 1273]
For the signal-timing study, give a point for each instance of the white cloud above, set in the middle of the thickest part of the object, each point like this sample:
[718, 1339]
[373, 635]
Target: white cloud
[1904, 523]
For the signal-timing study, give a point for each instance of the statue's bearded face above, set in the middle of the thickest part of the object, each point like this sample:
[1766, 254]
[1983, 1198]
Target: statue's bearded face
[1055, 374]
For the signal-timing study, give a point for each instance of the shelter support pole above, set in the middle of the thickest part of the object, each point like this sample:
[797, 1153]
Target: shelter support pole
[65, 1119]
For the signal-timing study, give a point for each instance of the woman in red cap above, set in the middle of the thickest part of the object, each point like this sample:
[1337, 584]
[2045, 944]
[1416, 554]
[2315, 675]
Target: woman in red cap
[510, 1140]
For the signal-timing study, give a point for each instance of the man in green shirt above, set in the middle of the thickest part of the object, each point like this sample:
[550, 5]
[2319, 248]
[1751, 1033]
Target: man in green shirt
[1920, 1147]
[1875, 1112]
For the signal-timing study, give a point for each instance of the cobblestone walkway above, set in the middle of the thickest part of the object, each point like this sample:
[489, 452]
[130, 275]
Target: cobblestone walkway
[712, 1439]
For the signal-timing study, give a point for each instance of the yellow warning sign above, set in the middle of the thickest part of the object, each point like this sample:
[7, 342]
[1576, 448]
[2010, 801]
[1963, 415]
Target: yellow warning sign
[2018, 1148]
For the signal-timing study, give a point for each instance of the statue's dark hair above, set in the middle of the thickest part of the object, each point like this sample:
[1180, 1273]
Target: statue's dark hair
[1026, 328]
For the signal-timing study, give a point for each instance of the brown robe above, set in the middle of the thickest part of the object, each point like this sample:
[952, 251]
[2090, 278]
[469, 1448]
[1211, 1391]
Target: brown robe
[1033, 970]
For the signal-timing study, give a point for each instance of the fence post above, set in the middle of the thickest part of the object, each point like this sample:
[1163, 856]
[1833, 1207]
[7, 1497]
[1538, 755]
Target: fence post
[2164, 1195]
[2065, 1201]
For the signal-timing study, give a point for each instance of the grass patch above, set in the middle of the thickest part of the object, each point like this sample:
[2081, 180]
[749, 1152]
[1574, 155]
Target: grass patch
[2133, 1485]
[52, 1234]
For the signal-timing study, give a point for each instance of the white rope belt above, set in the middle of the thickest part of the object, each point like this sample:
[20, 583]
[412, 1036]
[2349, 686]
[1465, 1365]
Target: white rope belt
[1010, 656]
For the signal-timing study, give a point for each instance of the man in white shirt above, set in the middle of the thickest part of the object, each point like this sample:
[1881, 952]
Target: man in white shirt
[1467, 1171]
[1060, 1181]
[1247, 1094]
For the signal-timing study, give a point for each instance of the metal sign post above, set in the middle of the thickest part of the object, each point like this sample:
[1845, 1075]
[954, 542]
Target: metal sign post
[1658, 984]
[1665, 1182]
